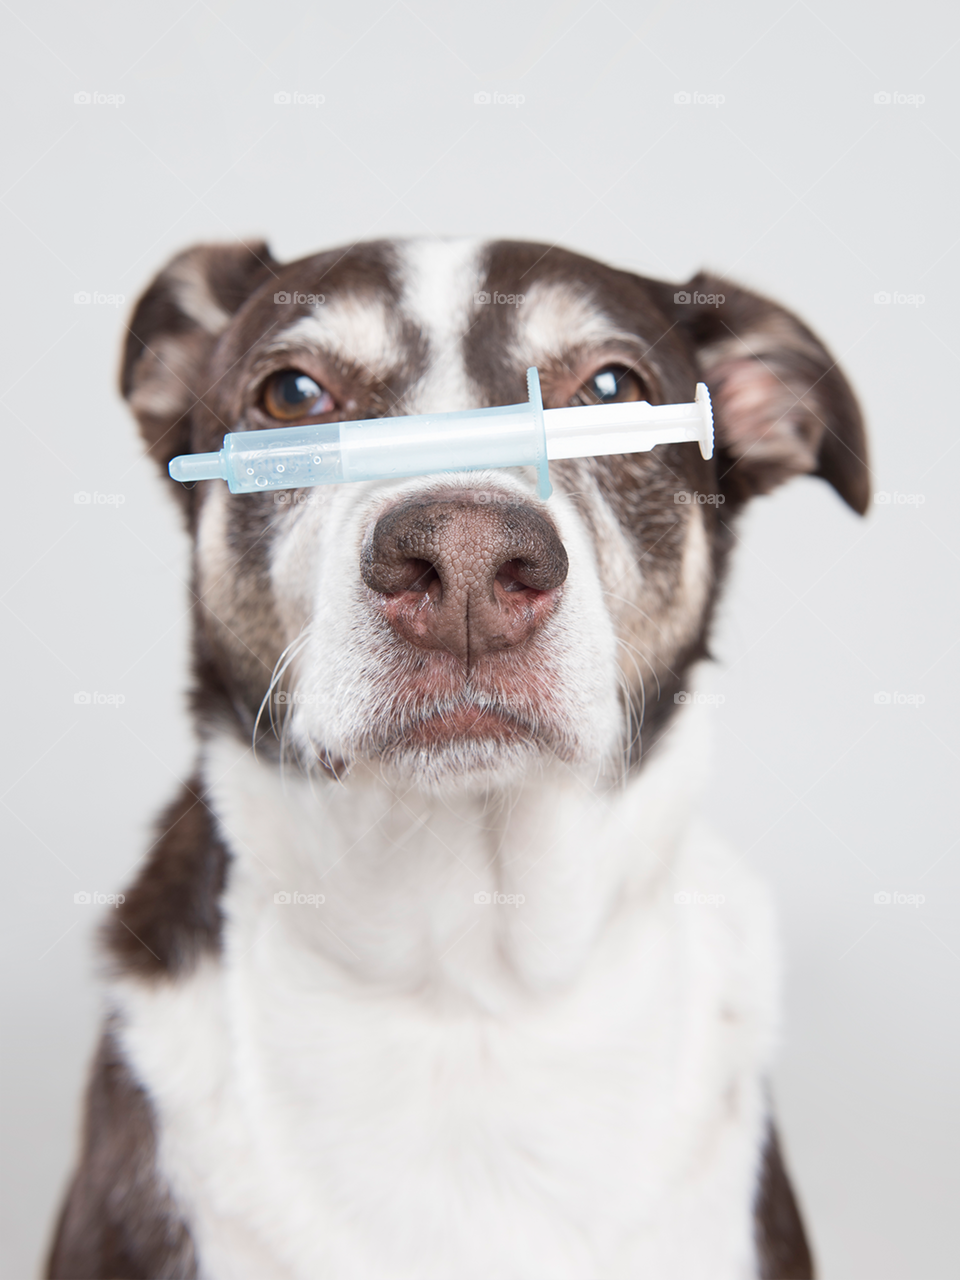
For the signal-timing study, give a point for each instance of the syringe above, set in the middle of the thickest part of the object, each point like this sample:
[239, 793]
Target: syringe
[513, 435]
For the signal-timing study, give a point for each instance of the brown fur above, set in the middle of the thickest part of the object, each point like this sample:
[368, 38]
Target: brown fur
[171, 916]
[782, 1249]
[119, 1221]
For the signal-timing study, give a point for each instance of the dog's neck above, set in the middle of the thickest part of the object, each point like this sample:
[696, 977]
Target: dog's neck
[489, 899]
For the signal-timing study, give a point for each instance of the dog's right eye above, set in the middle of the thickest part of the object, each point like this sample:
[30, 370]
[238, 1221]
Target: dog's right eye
[613, 384]
[290, 396]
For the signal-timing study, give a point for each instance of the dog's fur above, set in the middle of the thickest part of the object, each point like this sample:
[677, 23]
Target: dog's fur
[566, 1082]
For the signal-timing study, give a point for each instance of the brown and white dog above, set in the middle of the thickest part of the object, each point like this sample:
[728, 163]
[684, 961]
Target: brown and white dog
[425, 976]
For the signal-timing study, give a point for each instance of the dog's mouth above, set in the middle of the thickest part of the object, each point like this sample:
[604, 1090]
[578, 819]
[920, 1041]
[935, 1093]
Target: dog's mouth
[440, 726]
[444, 726]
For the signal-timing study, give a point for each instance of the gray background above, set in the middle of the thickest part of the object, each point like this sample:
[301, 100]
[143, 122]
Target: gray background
[798, 184]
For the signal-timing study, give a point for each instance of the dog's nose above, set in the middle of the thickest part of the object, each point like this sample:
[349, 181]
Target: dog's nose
[463, 574]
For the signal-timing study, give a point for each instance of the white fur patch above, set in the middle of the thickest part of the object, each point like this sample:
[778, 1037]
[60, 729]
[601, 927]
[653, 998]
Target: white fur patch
[192, 292]
[403, 1081]
[441, 281]
[359, 329]
[557, 317]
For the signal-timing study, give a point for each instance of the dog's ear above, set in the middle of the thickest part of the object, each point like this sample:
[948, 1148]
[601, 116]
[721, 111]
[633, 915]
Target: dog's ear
[173, 331]
[782, 407]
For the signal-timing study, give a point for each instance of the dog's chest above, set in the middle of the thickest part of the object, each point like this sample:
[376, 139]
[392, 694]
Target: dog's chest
[369, 1140]
[316, 1122]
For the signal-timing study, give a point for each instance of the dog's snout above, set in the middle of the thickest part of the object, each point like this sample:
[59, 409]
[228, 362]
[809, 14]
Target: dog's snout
[463, 574]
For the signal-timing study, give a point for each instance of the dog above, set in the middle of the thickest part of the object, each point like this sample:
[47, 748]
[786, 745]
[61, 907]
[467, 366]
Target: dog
[432, 971]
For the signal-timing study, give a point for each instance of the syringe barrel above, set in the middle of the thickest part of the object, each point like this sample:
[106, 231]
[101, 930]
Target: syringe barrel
[282, 458]
[381, 448]
[505, 436]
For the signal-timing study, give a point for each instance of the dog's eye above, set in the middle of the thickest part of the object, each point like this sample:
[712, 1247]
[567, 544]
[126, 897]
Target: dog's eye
[613, 384]
[291, 395]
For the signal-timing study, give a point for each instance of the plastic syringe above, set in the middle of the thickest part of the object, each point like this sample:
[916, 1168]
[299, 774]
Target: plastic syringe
[513, 435]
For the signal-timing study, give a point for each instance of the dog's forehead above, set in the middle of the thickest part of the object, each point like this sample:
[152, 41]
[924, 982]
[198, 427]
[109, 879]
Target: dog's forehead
[460, 318]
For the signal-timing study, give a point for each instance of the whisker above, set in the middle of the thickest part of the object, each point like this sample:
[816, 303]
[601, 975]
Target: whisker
[280, 668]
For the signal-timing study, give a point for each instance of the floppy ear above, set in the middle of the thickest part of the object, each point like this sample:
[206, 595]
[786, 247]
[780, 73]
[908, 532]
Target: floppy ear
[781, 404]
[173, 331]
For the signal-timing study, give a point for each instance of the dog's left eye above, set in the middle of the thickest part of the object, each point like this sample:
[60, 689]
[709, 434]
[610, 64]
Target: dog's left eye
[291, 395]
[613, 384]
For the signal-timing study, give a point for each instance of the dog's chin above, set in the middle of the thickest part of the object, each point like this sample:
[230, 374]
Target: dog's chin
[459, 764]
[460, 749]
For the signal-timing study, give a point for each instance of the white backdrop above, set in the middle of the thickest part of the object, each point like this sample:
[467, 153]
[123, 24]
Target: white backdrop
[783, 170]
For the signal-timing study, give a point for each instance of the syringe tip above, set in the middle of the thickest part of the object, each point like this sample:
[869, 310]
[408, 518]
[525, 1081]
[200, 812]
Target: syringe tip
[196, 466]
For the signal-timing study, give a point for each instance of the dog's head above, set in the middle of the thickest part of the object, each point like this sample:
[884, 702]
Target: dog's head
[456, 630]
